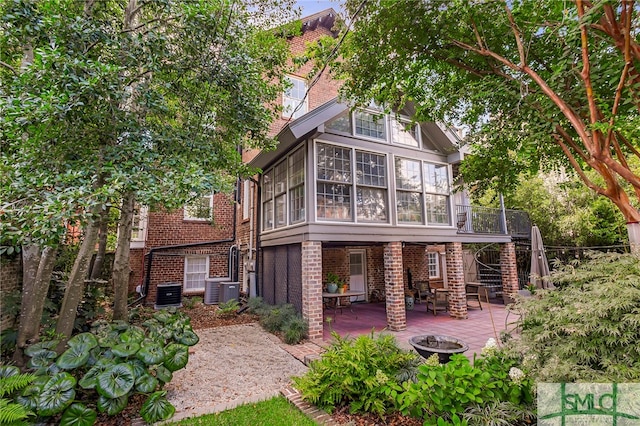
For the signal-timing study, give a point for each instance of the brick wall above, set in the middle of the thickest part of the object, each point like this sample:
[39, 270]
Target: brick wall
[375, 270]
[10, 281]
[455, 279]
[396, 314]
[335, 260]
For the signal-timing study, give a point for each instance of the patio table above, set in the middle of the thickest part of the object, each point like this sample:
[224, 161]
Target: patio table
[328, 296]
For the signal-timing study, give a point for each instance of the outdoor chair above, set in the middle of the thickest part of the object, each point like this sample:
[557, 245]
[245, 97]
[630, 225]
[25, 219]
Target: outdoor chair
[437, 299]
[422, 287]
[473, 293]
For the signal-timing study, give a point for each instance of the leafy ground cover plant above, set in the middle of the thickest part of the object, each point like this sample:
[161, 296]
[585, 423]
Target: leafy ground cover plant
[456, 392]
[360, 372]
[589, 327]
[100, 370]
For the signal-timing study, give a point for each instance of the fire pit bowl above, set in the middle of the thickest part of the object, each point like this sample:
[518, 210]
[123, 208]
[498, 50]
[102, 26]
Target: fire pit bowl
[444, 346]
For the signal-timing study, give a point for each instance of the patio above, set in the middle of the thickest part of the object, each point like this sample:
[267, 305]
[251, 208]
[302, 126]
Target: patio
[361, 318]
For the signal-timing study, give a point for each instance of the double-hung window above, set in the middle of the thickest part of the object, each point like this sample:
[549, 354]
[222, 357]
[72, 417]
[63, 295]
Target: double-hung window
[280, 194]
[421, 184]
[267, 200]
[196, 270]
[294, 101]
[433, 260]
[200, 208]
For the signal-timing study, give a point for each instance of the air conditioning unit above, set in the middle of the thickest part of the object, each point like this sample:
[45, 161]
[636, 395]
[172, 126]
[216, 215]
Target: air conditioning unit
[212, 290]
[168, 294]
[229, 290]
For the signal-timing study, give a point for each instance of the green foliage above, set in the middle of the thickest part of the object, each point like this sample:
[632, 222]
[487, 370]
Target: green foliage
[12, 381]
[277, 411]
[282, 319]
[361, 373]
[275, 318]
[104, 367]
[191, 302]
[294, 330]
[507, 74]
[588, 328]
[228, 308]
[448, 390]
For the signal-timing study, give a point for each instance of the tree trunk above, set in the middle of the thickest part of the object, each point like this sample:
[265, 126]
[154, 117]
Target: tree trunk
[121, 269]
[75, 286]
[98, 263]
[633, 228]
[31, 256]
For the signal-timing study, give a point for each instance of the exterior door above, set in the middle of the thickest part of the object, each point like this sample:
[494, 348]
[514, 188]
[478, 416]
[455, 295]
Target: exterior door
[357, 274]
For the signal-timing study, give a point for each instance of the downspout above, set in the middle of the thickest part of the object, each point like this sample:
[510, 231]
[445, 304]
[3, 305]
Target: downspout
[257, 225]
[149, 255]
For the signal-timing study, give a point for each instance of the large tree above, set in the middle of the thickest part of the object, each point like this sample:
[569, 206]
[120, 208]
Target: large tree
[123, 102]
[538, 83]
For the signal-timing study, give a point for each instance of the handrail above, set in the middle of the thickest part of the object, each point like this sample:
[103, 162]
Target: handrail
[487, 220]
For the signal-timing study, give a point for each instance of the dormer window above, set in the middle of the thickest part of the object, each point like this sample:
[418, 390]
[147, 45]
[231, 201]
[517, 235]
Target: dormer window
[294, 102]
[370, 124]
[405, 133]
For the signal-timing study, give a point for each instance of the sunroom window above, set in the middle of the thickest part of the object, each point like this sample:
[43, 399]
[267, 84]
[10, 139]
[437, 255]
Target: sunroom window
[409, 190]
[341, 123]
[334, 182]
[371, 187]
[283, 192]
[436, 183]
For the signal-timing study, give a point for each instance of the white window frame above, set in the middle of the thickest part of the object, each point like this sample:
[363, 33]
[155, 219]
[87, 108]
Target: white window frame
[187, 273]
[397, 129]
[294, 106]
[433, 264]
[246, 199]
[139, 232]
[187, 215]
[383, 117]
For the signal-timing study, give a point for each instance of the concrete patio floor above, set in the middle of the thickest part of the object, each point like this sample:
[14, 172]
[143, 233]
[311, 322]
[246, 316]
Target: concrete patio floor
[362, 318]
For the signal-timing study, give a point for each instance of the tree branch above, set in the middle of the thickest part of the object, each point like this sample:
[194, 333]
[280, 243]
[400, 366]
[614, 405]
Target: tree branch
[586, 78]
[516, 34]
[576, 165]
[9, 67]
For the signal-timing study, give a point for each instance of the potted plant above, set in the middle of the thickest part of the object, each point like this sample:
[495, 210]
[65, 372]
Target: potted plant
[333, 282]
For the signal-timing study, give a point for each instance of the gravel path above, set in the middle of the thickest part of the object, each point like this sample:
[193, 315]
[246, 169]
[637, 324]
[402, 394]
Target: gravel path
[230, 366]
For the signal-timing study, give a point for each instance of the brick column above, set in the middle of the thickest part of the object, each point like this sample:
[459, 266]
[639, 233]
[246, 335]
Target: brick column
[455, 281]
[312, 287]
[509, 270]
[394, 286]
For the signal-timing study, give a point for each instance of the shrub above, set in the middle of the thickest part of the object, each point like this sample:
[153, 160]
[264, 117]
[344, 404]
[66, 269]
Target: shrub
[275, 318]
[103, 368]
[295, 330]
[361, 373]
[191, 302]
[228, 308]
[444, 391]
[588, 329]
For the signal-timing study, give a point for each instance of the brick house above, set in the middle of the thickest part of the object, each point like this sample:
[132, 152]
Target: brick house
[355, 192]
[215, 238]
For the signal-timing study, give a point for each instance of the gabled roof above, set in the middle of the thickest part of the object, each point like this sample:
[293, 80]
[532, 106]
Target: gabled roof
[325, 18]
[439, 137]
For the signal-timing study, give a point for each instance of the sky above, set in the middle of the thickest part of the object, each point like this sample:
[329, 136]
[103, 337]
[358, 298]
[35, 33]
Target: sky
[309, 7]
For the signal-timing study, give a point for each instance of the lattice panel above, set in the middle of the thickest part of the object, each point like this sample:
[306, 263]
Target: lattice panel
[295, 275]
